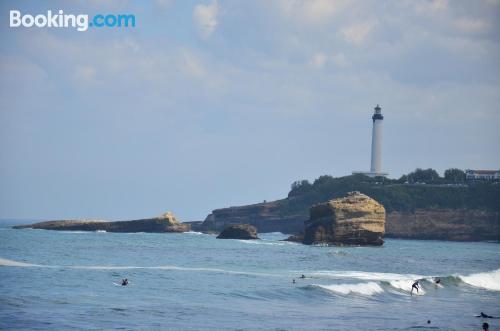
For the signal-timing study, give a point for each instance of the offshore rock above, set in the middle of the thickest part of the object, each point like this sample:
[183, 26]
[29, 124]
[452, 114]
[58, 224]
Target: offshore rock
[239, 231]
[163, 223]
[355, 219]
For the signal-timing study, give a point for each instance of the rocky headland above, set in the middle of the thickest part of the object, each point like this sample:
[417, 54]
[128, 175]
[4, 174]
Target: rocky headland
[239, 231]
[355, 219]
[441, 212]
[163, 223]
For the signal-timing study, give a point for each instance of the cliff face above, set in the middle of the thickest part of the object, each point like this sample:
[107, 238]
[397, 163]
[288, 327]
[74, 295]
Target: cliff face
[266, 217]
[164, 223]
[441, 224]
[444, 224]
[354, 220]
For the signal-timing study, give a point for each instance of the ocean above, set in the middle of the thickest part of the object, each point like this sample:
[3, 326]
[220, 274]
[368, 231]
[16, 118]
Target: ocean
[51, 280]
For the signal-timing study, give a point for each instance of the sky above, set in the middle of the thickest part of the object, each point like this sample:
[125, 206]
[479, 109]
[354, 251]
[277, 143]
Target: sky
[210, 104]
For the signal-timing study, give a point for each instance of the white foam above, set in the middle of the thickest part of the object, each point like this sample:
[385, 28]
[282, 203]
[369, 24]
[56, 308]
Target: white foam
[369, 288]
[101, 231]
[381, 276]
[401, 282]
[193, 232]
[262, 242]
[405, 285]
[11, 263]
[73, 231]
[488, 280]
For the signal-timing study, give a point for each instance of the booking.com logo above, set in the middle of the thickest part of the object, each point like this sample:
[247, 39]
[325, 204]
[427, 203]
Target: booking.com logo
[61, 20]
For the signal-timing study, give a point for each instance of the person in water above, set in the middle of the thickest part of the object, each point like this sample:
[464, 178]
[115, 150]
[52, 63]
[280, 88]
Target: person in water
[486, 326]
[302, 276]
[293, 281]
[414, 286]
[124, 282]
[438, 281]
[483, 315]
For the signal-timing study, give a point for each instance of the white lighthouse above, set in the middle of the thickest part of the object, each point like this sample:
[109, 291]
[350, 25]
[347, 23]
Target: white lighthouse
[376, 164]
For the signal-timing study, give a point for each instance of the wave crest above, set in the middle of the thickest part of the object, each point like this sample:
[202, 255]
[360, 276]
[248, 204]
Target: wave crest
[368, 289]
[487, 280]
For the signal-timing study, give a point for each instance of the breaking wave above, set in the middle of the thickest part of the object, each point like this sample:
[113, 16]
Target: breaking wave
[487, 280]
[402, 282]
[368, 289]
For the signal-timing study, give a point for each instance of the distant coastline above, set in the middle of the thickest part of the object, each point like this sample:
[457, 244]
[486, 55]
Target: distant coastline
[420, 205]
[417, 208]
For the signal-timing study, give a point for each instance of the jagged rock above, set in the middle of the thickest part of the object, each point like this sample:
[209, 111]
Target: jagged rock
[239, 231]
[353, 220]
[163, 223]
[298, 238]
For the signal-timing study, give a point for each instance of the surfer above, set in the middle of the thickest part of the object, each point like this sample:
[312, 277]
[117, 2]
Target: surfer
[483, 315]
[414, 286]
[302, 276]
[293, 281]
[437, 282]
[124, 282]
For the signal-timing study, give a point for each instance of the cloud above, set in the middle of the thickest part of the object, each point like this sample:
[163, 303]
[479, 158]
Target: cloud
[340, 60]
[191, 63]
[470, 25]
[318, 60]
[85, 73]
[311, 11]
[429, 7]
[357, 33]
[163, 4]
[205, 18]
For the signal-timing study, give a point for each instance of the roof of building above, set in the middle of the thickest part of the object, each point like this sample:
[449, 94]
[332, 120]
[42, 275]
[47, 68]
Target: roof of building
[484, 172]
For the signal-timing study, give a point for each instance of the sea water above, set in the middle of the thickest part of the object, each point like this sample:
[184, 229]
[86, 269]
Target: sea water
[56, 280]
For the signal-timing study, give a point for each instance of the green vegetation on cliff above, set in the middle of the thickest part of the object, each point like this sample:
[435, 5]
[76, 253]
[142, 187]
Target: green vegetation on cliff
[421, 189]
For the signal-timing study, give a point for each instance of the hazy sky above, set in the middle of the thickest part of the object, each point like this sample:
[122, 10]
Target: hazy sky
[208, 104]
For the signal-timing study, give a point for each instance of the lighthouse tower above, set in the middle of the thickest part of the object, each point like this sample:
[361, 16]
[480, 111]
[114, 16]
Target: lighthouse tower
[376, 164]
